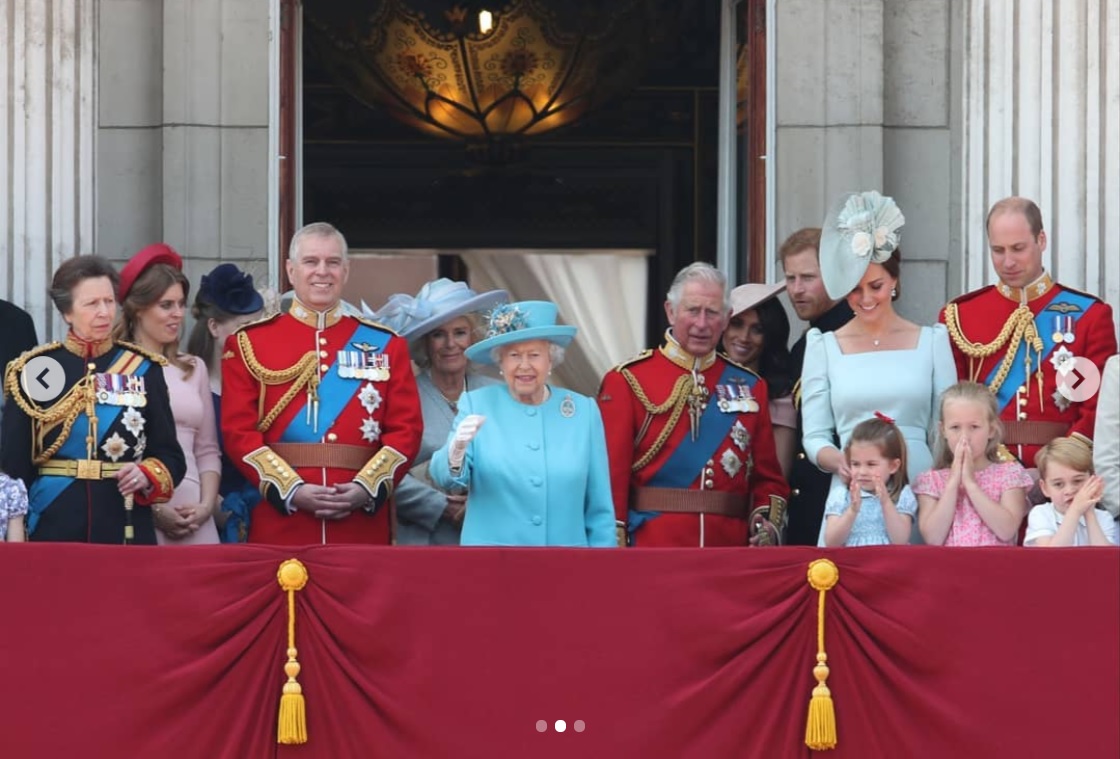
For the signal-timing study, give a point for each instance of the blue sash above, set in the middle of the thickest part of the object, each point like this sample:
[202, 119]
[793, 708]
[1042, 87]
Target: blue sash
[335, 391]
[46, 488]
[684, 464]
[1017, 375]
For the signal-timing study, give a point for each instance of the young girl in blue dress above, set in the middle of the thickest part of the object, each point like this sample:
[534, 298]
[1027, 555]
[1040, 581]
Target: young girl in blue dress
[13, 508]
[877, 507]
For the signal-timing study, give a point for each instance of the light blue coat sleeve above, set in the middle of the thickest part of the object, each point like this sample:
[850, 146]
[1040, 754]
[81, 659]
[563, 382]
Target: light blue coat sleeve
[599, 504]
[817, 420]
[944, 374]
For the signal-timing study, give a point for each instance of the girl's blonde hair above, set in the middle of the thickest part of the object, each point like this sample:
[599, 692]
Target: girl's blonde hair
[979, 394]
[883, 433]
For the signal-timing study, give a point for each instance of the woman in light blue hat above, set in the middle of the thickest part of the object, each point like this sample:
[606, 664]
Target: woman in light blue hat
[877, 362]
[440, 324]
[533, 456]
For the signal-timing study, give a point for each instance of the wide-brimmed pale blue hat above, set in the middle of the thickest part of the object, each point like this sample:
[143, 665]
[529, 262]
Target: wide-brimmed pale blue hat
[518, 322]
[437, 303]
[861, 229]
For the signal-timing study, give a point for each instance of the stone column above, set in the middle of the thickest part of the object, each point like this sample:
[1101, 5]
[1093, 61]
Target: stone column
[1042, 110]
[47, 96]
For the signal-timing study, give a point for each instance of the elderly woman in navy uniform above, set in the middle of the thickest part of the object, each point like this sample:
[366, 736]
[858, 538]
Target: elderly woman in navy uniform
[88, 426]
[537, 471]
[440, 326]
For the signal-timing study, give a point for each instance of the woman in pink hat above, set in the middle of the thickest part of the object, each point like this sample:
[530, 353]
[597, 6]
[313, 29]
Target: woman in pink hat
[757, 337]
[153, 296]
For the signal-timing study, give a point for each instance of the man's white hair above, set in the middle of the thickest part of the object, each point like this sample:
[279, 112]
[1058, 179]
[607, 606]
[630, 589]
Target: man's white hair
[315, 229]
[698, 271]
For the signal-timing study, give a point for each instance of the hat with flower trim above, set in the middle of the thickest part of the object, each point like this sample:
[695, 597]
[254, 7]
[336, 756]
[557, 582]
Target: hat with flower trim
[518, 322]
[860, 230]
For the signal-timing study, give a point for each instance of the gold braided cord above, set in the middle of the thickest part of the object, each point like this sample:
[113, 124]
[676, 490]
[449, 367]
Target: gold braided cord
[300, 374]
[65, 411]
[1018, 327]
[676, 401]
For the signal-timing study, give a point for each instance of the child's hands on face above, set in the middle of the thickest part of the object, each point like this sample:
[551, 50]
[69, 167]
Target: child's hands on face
[959, 456]
[855, 494]
[1088, 495]
[966, 461]
[881, 490]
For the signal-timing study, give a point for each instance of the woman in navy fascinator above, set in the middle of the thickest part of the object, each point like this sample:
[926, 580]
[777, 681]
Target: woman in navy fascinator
[226, 301]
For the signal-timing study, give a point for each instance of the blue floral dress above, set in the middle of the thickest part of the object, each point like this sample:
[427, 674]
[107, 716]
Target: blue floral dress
[13, 502]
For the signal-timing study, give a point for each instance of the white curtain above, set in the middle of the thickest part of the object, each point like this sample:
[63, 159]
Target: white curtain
[601, 292]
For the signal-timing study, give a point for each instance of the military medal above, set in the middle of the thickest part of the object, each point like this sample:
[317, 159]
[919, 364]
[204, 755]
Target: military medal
[1058, 336]
[1068, 334]
[568, 407]
[724, 403]
[746, 401]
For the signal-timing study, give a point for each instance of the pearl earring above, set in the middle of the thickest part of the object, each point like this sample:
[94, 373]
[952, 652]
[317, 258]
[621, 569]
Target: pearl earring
[894, 293]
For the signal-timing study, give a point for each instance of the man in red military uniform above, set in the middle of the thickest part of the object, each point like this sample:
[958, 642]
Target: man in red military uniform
[1016, 336]
[320, 408]
[689, 439]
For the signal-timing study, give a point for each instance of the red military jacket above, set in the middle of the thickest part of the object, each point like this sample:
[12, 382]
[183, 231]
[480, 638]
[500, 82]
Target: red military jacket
[309, 378]
[1048, 324]
[650, 444]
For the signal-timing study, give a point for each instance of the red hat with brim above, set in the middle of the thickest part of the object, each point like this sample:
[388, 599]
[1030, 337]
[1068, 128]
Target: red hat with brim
[157, 253]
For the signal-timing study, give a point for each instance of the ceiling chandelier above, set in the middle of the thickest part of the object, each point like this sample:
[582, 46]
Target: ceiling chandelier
[485, 73]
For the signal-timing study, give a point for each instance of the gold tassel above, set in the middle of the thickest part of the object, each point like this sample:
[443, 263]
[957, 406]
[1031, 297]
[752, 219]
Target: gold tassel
[292, 725]
[820, 730]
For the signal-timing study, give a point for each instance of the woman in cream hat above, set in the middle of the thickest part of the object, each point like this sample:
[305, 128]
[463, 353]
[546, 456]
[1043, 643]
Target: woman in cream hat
[757, 337]
[879, 361]
[537, 471]
[440, 324]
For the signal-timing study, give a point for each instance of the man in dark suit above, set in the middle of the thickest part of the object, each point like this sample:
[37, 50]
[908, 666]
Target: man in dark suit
[800, 256]
[17, 334]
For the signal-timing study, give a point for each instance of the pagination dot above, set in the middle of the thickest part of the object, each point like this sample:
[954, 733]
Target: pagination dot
[541, 726]
[579, 726]
[561, 725]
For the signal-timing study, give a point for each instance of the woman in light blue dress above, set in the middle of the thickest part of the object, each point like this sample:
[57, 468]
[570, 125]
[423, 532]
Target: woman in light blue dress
[533, 456]
[878, 361]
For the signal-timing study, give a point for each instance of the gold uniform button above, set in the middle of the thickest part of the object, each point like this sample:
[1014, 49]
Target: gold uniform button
[322, 354]
[1023, 389]
[801, 457]
[322, 341]
[1022, 415]
[324, 368]
[796, 491]
[1022, 401]
[331, 437]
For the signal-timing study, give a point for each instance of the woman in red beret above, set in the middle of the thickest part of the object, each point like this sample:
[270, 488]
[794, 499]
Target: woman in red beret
[153, 296]
[88, 427]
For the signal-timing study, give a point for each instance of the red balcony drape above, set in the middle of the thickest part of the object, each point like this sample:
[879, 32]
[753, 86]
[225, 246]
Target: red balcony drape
[168, 652]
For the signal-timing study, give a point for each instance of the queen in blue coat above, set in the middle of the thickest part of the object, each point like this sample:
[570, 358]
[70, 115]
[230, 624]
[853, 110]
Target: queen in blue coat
[534, 457]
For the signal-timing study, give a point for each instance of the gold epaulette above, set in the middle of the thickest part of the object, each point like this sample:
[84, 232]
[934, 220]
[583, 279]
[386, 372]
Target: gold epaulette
[258, 321]
[15, 366]
[375, 324]
[737, 365]
[640, 357]
[159, 359]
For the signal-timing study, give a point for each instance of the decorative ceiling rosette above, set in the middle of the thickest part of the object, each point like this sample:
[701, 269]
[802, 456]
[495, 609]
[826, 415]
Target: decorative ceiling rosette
[542, 64]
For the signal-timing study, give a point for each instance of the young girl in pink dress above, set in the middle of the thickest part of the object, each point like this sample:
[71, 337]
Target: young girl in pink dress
[971, 498]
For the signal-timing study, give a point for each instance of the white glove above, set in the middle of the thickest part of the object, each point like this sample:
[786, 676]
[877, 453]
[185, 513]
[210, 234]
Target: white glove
[464, 434]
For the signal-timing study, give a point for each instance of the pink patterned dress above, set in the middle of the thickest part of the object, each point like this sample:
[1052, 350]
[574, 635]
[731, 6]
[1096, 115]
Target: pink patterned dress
[968, 528]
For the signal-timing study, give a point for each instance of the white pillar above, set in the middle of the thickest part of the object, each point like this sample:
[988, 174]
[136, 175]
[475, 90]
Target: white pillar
[47, 96]
[1042, 91]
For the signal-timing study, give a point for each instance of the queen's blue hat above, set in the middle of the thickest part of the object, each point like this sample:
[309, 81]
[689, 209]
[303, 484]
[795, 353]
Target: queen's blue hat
[518, 322]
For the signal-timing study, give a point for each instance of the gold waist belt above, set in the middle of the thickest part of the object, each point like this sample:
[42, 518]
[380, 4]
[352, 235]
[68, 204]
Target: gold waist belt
[82, 469]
